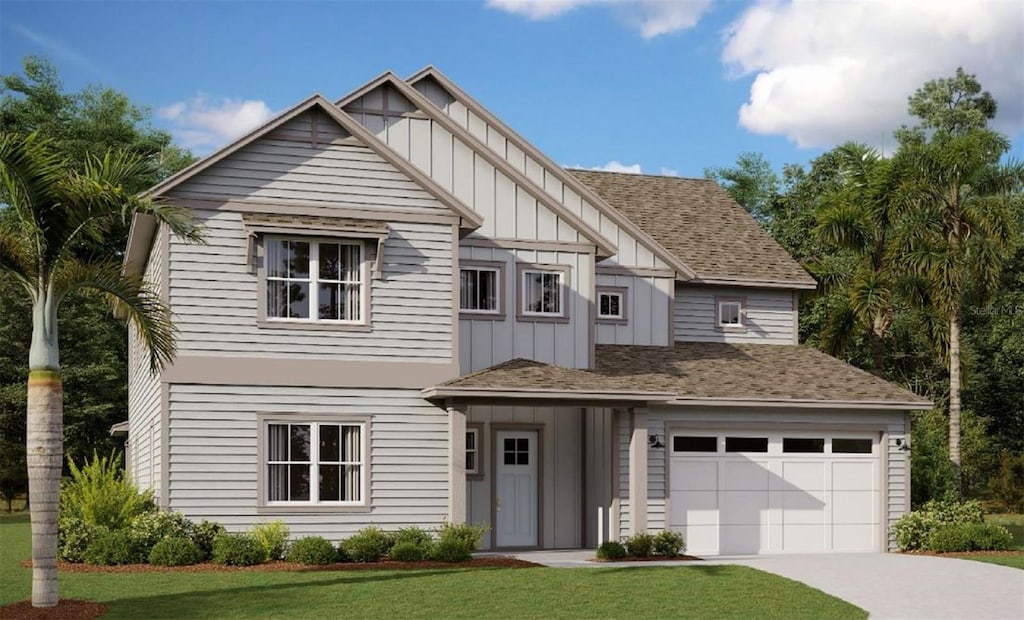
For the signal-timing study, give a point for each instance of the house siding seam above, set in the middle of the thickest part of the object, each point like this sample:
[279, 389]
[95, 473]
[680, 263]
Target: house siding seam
[215, 298]
[144, 456]
[768, 320]
[214, 438]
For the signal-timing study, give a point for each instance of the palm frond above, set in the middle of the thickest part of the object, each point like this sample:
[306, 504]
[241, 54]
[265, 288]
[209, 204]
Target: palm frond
[29, 170]
[16, 259]
[132, 298]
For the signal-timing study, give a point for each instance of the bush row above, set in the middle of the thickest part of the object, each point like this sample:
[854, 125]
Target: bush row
[946, 526]
[666, 544]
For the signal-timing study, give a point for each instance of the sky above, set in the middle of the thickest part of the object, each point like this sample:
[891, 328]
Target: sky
[658, 86]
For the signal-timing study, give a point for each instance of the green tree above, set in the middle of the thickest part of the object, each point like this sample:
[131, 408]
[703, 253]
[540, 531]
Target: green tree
[752, 183]
[55, 206]
[958, 222]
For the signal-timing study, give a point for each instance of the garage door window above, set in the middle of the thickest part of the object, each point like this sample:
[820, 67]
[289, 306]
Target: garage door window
[683, 443]
[851, 446]
[746, 444]
[803, 445]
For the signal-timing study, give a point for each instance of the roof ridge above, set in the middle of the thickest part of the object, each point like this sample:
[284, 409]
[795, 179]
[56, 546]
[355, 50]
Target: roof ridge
[641, 174]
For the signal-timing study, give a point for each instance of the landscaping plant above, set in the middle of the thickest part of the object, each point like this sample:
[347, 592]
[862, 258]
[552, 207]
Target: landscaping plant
[175, 551]
[111, 547]
[237, 550]
[203, 535]
[273, 539]
[668, 543]
[99, 494]
[611, 550]
[912, 530]
[960, 537]
[312, 550]
[409, 551]
[640, 545]
[457, 542]
[369, 544]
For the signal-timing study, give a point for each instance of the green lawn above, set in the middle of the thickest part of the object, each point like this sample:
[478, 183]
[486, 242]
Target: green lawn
[690, 591]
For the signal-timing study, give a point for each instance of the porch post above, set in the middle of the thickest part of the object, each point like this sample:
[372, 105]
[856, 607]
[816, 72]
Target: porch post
[456, 463]
[638, 470]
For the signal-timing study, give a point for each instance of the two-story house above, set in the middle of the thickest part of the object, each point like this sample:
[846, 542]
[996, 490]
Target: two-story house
[405, 313]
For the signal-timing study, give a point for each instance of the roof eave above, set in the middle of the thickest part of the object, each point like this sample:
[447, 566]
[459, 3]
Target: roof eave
[803, 403]
[140, 242]
[754, 283]
[442, 392]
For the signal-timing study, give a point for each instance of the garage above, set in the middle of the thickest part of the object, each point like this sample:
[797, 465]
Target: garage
[741, 492]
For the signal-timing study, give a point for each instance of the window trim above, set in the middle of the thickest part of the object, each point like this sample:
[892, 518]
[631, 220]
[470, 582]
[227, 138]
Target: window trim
[264, 506]
[477, 473]
[564, 289]
[496, 315]
[736, 329]
[263, 321]
[623, 293]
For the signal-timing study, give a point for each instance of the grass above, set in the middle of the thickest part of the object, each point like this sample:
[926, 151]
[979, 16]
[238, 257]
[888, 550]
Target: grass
[693, 591]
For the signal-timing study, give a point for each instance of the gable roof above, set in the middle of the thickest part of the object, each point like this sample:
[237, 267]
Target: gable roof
[684, 271]
[699, 222]
[706, 373]
[604, 246]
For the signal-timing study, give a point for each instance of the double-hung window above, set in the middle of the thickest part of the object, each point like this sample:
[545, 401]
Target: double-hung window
[480, 289]
[315, 463]
[542, 293]
[314, 280]
[729, 314]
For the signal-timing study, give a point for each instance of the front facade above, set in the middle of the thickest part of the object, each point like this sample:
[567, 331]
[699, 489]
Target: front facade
[404, 314]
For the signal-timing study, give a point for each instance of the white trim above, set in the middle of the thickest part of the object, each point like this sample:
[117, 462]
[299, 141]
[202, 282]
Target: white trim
[313, 281]
[314, 461]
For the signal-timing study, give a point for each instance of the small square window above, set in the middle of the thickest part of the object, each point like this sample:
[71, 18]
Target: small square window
[542, 293]
[730, 314]
[480, 289]
[611, 305]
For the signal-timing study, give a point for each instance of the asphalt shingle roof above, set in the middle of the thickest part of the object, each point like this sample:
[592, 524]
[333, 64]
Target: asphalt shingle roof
[699, 223]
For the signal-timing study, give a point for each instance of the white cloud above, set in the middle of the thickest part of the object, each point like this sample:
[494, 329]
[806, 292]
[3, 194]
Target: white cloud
[652, 18]
[826, 72]
[614, 166]
[668, 172]
[202, 123]
[60, 50]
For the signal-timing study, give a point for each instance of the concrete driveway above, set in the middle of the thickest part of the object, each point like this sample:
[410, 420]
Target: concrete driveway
[886, 585]
[905, 586]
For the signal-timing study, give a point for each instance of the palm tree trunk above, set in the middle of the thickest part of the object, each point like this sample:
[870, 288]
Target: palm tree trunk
[877, 353]
[954, 394]
[45, 458]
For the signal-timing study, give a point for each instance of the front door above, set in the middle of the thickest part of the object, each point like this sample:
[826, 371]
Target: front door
[515, 500]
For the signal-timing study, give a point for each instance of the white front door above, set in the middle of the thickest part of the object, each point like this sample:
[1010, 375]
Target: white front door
[515, 500]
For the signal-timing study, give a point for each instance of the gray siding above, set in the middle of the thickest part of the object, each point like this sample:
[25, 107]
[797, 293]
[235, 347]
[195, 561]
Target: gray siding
[214, 456]
[597, 470]
[769, 319]
[144, 452]
[648, 310]
[561, 476]
[343, 174]
[215, 298]
[630, 251]
[486, 342]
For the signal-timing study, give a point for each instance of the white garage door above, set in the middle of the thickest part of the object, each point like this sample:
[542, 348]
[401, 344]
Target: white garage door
[746, 492]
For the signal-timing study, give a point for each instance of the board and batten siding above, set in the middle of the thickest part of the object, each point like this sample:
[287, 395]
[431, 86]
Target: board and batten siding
[663, 420]
[336, 174]
[561, 475]
[648, 311]
[144, 453]
[214, 436]
[769, 319]
[485, 342]
[631, 252]
[215, 299]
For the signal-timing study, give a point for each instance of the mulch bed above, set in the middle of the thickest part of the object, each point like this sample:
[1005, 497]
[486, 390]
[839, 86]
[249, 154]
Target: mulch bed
[678, 558]
[66, 609]
[967, 554]
[495, 561]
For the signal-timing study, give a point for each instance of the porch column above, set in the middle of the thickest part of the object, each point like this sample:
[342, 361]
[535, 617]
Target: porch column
[456, 463]
[638, 470]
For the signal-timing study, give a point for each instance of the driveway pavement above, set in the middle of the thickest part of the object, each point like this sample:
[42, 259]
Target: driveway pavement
[886, 585]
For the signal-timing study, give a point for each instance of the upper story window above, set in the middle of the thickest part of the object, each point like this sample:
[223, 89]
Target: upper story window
[315, 280]
[611, 304]
[542, 293]
[480, 289]
[315, 463]
[730, 314]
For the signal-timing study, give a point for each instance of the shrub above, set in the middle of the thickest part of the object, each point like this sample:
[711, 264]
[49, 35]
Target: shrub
[970, 537]
[452, 550]
[640, 545]
[410, 551]
[149, 528]
[913, 529]
[669, 543]
[237, 550]
[312, 550]
[468, 535]
[369, 544]
[413, 535]
[203, 535]
[99, 494]
[273, 539]
[1007, 486]
[175, 551]
[73, 535]
[611, 550]
[110, 547]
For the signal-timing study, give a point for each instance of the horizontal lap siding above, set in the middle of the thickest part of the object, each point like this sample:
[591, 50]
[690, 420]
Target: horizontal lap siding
[215, 299]
[144, 431]
[769, 317]
[631, 252]
[648, 310]
[214, 460]
[484, 343]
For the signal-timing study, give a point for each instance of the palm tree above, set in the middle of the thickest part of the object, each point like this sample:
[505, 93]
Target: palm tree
[859, 278]
[52, 213]
[956, 227]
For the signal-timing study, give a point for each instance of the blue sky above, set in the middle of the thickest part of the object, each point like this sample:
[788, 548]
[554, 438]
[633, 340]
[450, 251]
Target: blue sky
[666, 86]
